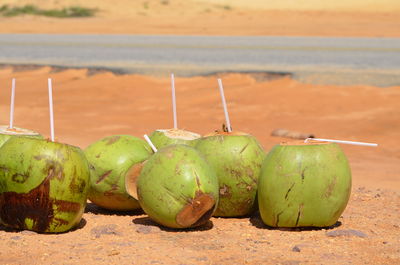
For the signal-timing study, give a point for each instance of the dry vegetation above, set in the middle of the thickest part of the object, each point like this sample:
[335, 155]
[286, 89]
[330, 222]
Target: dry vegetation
[206, 17]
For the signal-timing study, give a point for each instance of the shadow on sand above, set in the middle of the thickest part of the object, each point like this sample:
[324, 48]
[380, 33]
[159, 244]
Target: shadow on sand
[94, 209]
[81, 225]
[146, 221]
[256, 221]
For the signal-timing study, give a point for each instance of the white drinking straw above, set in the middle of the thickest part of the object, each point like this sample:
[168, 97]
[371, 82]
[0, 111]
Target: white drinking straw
[12, 103]
[174, 101]
[221, 91]
[51, 109]
[341, 142]
[150, 143]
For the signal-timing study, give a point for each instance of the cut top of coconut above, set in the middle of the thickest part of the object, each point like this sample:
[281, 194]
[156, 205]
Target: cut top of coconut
[4, 129]
[216, 133]
[179, 134]
[301, 142]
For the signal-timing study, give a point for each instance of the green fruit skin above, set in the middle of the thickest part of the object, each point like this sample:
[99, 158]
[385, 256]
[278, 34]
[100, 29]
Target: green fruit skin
[237, 160]
[43, 185]
[5, 137]
[160, 140]
[170, 179]
[304, 185]
[110, 158]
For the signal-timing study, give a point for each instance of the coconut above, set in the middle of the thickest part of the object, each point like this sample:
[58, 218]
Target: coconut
[6, 133]
[110, 160]
[236, 158]
[43, 185]
[161, 138]
[177, 188]
[304, 184]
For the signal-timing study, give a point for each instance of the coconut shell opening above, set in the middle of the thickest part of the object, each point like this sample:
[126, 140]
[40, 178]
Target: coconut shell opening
[179, 134]
[217, 133]
[131, 178]
[302, 142]
[197, 211]
[16, 131]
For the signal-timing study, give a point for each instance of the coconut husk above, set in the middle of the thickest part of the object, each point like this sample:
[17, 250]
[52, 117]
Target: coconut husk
[291, 134]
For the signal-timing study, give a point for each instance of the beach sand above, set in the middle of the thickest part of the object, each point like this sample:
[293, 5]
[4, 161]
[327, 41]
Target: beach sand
[91, 104]
[367, 18]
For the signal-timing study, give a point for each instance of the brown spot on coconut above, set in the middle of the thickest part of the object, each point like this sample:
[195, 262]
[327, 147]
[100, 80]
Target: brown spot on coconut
[197, 211]
[111, 139]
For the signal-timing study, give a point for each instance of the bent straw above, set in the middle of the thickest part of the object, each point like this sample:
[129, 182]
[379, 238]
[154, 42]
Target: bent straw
[174, 101]
[12, 103]
[51, 108]
[342, 142]
[150, 143]
[221, 91]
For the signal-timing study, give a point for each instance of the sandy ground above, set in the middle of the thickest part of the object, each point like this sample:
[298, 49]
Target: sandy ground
[367, 18]
[90, 105]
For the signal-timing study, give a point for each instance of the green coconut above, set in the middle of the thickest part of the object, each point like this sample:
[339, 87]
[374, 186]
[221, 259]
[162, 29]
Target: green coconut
[304, 184]
[6, 133]
[177, 188]
[236, 158]
[161, 138]
[43, 185]
[110, 160]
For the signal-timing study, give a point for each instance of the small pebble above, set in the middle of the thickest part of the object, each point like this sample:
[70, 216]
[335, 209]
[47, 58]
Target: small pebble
[144, 229]
[147, 229]
[201, 258]
[296, 249]
[113, 253]
[110, 229]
